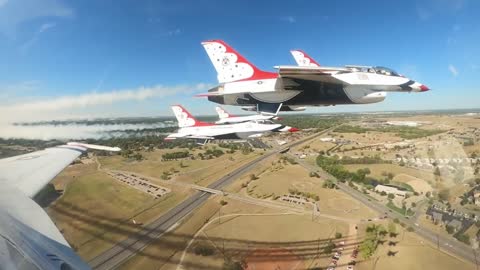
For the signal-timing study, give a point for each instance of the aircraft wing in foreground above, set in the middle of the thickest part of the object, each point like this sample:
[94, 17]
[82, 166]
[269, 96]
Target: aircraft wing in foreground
[191, 128]
[29, 238]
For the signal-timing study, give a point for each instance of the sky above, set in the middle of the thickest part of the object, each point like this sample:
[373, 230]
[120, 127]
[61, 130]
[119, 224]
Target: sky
[84, 59]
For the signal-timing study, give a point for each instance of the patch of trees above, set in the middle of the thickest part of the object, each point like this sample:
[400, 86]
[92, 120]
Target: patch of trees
[288, 159]
[363, 160]
[129, 154]
[175, 155]
[214, 152]
[374, 235]
[313, 196]
[328, 249]
[230, 264]
[333, 166]
[468, 143]
[329, 184]
[404, 211]
[462, 238]
[444, 195]
[351, 129]
[203, 250]
[310, 121]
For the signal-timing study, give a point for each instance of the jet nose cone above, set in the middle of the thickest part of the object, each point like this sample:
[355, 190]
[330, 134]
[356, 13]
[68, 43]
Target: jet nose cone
[424, 88]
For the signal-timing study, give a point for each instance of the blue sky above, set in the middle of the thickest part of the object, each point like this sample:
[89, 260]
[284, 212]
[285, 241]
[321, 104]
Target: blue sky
[70, 52]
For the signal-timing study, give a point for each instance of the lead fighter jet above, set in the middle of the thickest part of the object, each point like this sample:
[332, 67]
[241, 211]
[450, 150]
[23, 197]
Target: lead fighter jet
[242, 83]
[191, 128]
[28, 237]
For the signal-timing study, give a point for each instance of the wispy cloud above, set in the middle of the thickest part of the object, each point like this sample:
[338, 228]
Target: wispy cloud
[429, 8]
[289, 19]
[42, 29]
[453, 70]
[14, 13]
[46, 107]
[174, 32]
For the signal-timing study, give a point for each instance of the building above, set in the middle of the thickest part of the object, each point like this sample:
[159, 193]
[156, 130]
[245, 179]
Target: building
[455, 224]
[437, 217]
[390, 190]
[476, 197]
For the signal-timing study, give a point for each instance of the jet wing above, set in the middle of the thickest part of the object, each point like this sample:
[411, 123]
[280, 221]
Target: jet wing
[311, 73]
[28, 237]
[30, 172]
[200, 137]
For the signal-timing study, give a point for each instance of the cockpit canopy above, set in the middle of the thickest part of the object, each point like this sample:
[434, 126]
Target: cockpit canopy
[386, 71]
[267, 122]
[378, 70]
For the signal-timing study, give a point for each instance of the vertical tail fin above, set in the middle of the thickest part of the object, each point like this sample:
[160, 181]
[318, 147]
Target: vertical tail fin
[222, 114]
[185, 119]
[303, 59]
[230, 65]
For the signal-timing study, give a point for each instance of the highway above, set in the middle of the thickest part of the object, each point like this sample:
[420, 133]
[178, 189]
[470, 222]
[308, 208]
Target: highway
[127, 248]
[449, 245]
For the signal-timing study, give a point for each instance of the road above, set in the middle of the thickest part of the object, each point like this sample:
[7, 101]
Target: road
[444, 244]
[127, 248]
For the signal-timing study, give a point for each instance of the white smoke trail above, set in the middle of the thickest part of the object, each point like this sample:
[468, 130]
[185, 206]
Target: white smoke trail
[72, 131]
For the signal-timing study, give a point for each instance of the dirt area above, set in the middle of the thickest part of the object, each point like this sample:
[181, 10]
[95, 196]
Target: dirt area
[419, 185]
[96, 211]
[253, 261]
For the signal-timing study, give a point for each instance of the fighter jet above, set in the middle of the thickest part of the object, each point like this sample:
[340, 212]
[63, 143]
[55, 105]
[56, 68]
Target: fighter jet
[242, 83]
[191, 128]
[29, 238]
[225, 117]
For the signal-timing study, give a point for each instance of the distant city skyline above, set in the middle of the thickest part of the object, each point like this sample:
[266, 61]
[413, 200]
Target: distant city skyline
[100, 59]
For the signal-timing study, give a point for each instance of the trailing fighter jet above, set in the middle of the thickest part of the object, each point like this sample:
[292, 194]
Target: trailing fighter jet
[225, 117]
[191, 128]
[29, 238]
[303, 59]
[242, 83]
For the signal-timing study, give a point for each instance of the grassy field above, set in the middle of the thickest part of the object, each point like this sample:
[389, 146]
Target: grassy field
[221, 167]
[96, 210]
[164, 253]
[233, 236]
[332, 202]
[400, 131]
[411, 252]
[196, 171]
